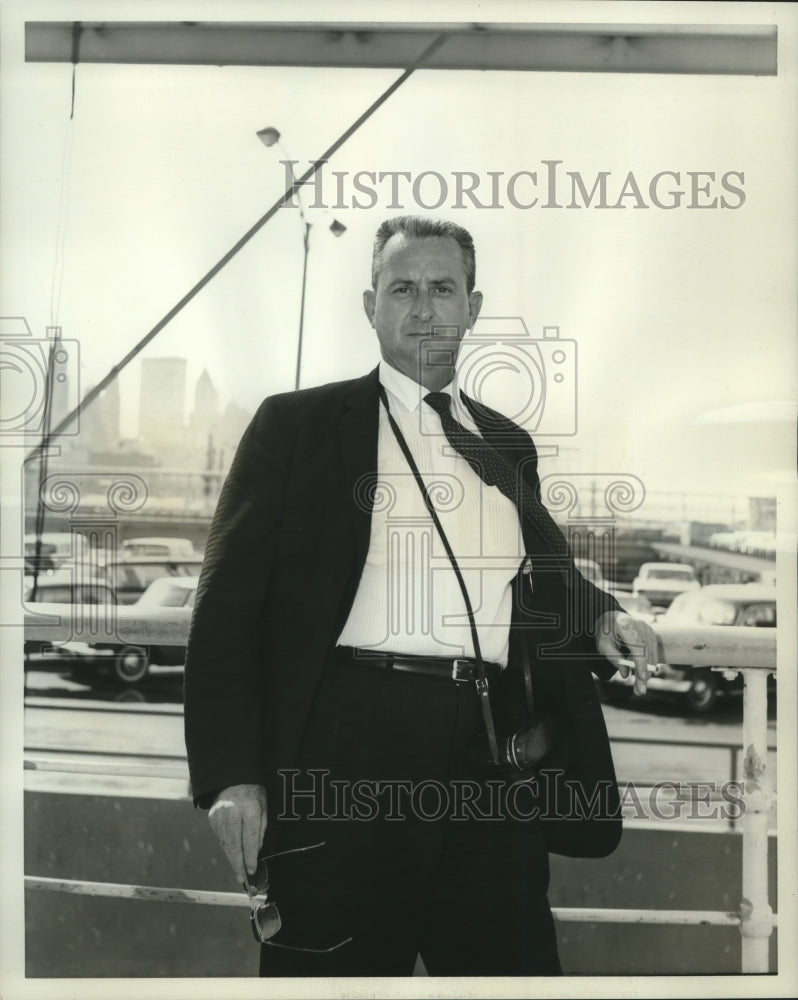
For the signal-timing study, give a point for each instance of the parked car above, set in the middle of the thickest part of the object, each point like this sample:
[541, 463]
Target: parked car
[162, 548]
[64, 586]
[124, 664]
[55, 548]
[661, 582]
[639, 607]
[749, 604]
[123, 661]
[130, 577]
[169, 592]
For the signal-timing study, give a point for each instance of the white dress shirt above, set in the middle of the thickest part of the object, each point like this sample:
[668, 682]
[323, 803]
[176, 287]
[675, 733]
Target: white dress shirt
[408, 599]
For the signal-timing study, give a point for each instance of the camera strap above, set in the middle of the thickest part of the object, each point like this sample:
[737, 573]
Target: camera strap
[481, 680]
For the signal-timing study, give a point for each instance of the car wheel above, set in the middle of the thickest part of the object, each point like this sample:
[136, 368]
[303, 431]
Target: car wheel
[130, 665]
[703, 691]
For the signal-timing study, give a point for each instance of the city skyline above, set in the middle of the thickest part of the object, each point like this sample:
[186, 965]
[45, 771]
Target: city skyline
[171, 422]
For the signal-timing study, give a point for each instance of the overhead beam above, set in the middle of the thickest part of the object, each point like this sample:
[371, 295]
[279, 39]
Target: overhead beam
[594, 48]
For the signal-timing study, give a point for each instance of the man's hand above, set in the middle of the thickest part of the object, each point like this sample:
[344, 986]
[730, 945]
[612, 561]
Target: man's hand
[238, 818]
[622, 638]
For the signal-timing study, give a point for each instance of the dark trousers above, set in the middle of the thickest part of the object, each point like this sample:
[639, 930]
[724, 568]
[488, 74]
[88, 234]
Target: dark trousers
[417, 865]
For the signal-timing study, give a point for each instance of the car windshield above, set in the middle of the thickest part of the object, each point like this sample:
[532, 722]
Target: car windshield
[134, 551]
[669, 574]
[165, 594]
[72, 594]
[760, 616]
[711, 609]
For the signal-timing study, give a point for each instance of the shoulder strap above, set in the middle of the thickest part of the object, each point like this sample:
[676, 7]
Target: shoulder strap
[482, 680]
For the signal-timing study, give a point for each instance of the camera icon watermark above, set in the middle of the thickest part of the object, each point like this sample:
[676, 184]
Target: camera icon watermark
[38, 376]
[532, 380]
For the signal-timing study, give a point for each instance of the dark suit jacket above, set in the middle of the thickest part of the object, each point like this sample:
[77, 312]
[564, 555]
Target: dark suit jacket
[284, 555]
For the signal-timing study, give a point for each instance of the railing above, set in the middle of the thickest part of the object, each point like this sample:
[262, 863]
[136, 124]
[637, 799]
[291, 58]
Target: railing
[750, 652]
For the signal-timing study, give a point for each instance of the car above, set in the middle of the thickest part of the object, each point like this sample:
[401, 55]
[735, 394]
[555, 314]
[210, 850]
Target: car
[721, 604]
[55, 548]
[162, 548]
[661, 582]
[638, 607]
[125, 662]
[64, 586]
[130, 576]
[169, 592]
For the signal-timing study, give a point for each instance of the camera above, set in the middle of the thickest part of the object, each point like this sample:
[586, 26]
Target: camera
[520, 750]
[531, 380]
[24, 364]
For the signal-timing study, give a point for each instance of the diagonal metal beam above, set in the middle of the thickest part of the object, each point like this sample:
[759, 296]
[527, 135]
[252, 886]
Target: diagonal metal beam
[418, 61]
[598, 48]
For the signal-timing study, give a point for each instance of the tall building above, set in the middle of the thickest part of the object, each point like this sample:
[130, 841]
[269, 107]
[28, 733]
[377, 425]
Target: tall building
[204, 419]
[162, 403]
[99, 422]
[233, 424]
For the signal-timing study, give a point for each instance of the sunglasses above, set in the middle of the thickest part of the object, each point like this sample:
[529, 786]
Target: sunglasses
[264, 917]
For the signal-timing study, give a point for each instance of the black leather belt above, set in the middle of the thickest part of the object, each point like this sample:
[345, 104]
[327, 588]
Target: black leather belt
[459, 669]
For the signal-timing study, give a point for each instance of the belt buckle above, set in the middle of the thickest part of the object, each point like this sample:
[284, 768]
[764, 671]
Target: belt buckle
[456, 664]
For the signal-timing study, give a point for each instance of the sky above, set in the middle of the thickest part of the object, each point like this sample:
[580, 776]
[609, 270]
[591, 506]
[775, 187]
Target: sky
[677, 315]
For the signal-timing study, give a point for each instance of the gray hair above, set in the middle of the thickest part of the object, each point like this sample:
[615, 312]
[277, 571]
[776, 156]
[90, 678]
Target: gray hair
[417, 227]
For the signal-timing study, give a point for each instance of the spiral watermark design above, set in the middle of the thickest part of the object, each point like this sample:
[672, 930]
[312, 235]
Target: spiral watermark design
[59, 495]
[128, 495]
[447, 494]
[560, 496]
[374, 495]
[625, 495]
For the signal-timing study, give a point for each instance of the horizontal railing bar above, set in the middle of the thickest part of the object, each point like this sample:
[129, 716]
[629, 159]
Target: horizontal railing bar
[708, 646]
[176, 709]
[137, 770]
[208, 897]
[121, 890]
[130, 708]
[733, 646]
[682, 742]
[621, 916]
[88, 752]
[118, 623]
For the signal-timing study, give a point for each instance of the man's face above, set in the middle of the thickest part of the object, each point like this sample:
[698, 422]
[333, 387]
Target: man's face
[421, 294]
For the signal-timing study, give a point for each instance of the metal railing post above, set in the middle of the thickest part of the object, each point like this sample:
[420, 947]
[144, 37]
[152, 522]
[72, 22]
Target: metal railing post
[756, 915]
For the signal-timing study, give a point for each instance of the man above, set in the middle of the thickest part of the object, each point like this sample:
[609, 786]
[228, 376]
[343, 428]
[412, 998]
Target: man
[343, 631]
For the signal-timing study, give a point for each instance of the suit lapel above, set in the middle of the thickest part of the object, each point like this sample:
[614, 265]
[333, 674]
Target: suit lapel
[357, 435]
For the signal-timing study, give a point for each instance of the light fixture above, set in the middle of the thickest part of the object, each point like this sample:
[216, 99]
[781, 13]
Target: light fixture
[268, 136]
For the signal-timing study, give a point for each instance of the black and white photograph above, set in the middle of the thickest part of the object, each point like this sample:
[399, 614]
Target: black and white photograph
[397, 468]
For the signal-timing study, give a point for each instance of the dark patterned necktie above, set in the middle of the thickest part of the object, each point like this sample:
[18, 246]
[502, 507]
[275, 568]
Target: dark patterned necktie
[494, 470]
